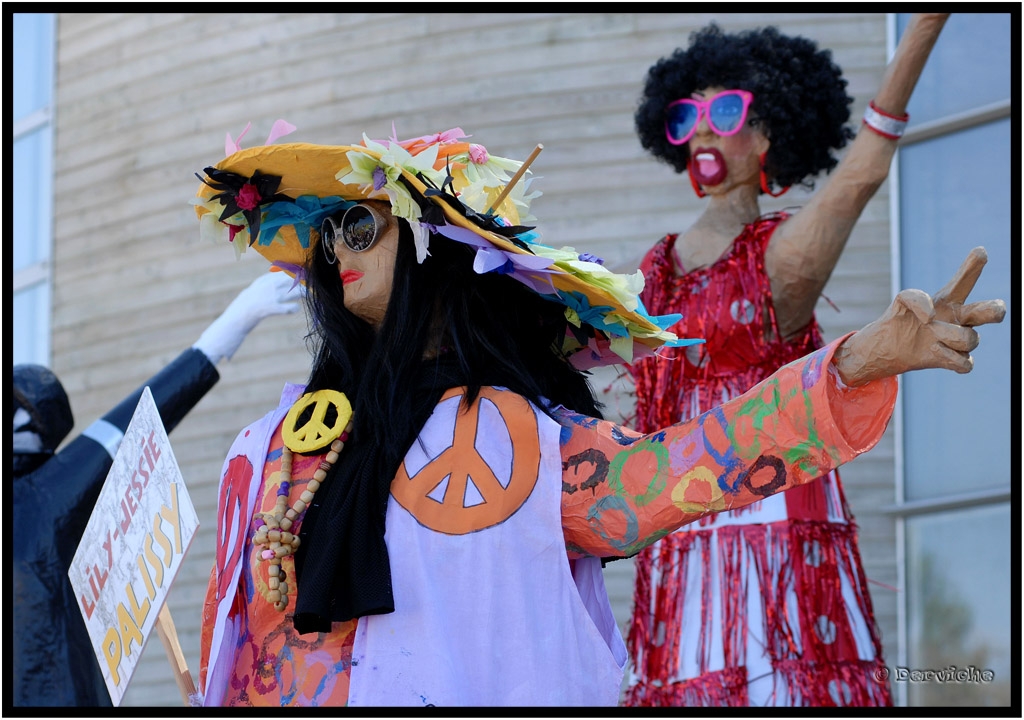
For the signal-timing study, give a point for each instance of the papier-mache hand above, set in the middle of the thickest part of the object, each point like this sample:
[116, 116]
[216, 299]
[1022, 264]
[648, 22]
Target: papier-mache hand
[273, 293]
[918, 331]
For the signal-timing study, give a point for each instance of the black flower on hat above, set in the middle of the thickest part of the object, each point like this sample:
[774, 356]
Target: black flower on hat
[433, 215]
[239, 194]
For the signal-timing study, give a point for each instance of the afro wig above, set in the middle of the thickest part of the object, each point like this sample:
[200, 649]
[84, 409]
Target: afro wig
[800, 101]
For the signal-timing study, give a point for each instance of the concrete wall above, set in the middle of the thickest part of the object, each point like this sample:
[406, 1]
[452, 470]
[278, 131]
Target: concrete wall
[144, 102]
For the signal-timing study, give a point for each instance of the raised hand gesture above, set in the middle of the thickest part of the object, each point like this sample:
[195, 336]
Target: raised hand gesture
[918, 331]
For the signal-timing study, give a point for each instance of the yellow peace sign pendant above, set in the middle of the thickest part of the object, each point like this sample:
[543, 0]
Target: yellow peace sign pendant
[314, 433]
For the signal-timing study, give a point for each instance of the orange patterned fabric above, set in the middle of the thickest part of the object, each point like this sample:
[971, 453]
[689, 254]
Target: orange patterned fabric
[276, 666]
[623, 490]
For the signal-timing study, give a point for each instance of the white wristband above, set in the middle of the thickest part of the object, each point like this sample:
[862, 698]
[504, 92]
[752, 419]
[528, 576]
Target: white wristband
[888, 126]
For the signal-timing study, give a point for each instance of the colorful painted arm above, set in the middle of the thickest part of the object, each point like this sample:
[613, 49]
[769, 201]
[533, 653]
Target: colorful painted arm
[805, 248]
[622, 491]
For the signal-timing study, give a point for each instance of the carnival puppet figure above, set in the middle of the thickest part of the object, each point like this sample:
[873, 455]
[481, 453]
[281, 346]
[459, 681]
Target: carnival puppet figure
[423, 522]
[744, 115]
[54, 659]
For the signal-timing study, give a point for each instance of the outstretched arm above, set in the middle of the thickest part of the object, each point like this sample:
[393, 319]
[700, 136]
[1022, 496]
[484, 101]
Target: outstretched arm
[805, 248]
[621, 491]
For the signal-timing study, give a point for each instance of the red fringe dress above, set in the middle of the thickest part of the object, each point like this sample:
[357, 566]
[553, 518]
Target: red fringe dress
[767, 605]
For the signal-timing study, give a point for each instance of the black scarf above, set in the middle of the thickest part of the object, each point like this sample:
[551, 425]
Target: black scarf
[342, 564]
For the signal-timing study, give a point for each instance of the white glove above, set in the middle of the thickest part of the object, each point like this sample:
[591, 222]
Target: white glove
[267, 295]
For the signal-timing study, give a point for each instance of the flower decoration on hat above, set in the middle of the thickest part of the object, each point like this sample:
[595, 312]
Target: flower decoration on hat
[244, 195]
[441, 185]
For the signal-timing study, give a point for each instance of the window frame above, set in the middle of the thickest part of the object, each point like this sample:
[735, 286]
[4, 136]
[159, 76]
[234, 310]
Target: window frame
[40, 273]
[902, 509]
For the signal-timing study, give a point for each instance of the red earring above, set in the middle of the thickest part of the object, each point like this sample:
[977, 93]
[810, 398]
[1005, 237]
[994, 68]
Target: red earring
[764, 181]
[693, 180]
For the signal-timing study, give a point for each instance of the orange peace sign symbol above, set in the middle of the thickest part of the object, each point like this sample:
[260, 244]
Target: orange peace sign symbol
[439, 496]
[315, 433]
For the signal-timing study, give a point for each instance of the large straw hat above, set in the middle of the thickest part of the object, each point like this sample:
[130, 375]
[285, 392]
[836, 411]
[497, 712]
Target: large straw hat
[274, 197]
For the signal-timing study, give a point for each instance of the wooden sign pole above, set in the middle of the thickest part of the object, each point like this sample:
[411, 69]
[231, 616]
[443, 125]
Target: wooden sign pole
[169, 637]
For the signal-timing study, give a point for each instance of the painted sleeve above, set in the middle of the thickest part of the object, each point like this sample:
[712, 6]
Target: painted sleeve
[622, 491]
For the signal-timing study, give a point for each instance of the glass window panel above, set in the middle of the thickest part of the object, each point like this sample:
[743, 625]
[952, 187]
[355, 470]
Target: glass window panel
[968, 67]
[958, 583]
[31, 318]
[31, 197]
[955, 195]
[33, 62]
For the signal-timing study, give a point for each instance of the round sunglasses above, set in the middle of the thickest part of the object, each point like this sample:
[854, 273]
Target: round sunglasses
[726, 112]
[360, 227]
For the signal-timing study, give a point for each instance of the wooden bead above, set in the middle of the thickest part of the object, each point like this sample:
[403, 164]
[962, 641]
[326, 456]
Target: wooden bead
[286, 524]
[274, 596]
[306, 497]
[295, 541]
[332, 457]
[319, 476]
[313, 485]
[274, 583]
[287, 538]
[292, 514]
[274, 536]
[298, 507]
[274, 570]
[283, 588]
[281, 605]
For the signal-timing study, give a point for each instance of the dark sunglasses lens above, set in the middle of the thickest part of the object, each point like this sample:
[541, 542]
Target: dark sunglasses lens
[727, 112]
[682, 118]
[358, 228]
[327, 236]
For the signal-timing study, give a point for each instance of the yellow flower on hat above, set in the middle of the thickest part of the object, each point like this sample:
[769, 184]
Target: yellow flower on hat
[382, 169]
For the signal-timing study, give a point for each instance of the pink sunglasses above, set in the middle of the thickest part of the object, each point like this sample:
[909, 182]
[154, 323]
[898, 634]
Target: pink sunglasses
[726, 112]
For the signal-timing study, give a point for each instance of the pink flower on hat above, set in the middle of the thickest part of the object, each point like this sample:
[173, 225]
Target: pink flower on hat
[248, 197]
[478, 154]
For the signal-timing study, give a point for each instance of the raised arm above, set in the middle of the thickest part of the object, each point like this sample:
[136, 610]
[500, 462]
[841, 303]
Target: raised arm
[805, 249]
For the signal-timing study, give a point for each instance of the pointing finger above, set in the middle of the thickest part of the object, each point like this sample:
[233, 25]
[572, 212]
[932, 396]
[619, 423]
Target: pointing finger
[957, 289]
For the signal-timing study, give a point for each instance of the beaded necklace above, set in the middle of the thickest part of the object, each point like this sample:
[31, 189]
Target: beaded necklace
[273, 539]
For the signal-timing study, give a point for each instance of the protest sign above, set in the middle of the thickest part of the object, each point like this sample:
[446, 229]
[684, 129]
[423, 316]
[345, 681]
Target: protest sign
[133, 546]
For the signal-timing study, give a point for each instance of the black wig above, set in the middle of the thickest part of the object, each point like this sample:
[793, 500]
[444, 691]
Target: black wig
[800, 99]
[492, 326]
[478, 330]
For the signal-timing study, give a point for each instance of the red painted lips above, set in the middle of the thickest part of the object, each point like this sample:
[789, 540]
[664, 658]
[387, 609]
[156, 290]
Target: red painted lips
[349, 276]
[707, 166]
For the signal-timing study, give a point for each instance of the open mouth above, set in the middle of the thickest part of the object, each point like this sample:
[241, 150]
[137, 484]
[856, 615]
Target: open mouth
[708, 166]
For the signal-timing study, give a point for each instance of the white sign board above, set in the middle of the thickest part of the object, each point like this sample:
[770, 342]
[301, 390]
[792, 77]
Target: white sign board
[136, 538]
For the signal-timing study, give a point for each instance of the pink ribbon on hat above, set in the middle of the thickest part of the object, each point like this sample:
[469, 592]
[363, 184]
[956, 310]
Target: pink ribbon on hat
[448, 136]
[280, 129]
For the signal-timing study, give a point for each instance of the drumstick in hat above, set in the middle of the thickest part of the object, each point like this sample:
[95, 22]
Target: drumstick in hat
[515, 179]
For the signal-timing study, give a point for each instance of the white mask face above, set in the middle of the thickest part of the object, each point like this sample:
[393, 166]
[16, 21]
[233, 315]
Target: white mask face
[25, 441]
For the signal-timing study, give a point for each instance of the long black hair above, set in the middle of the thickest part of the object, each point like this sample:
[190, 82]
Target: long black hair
[800, 100]
[478, 330]
[493, 327]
